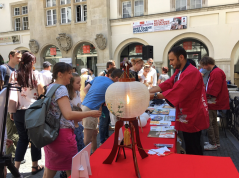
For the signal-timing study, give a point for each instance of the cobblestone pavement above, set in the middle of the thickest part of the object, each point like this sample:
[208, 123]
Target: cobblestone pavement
[229, 148]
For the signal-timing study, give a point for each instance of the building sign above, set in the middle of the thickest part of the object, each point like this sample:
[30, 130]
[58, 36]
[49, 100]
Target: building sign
[175, 23]
[143, 27]
[53, 51]
[138, 48]
[187, 45]
[10, 40]
[86, 49]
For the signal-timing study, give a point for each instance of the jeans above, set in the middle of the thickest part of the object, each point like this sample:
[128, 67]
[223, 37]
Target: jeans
[23, 139]
[104, 124]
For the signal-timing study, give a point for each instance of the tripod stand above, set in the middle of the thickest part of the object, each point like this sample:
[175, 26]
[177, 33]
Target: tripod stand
[6, 160]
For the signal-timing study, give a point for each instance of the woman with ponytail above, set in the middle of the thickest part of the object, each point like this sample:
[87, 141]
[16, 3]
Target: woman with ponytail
[138, 64]
[31, 90]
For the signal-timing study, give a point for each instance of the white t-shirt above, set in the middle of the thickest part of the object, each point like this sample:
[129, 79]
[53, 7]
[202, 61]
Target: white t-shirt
[148, 79]
[46, 76]
[76, 101]
[152, 73]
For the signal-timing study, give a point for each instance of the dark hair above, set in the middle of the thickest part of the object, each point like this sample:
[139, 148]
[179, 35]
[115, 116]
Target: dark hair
[179, 20]
[24, 73]
[206, 60]
[1, 60]
[70, 86]
[165, 70]
[60, 67]
[12, 53]
[74, 68]
[177, 51]
[91, 70]
[117, 73]
[192, 62]
[110, 71]
[109, 63]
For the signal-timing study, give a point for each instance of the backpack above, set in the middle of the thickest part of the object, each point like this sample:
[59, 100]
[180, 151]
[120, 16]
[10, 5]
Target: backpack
[42, 129]
[87, 80]
[4, 81]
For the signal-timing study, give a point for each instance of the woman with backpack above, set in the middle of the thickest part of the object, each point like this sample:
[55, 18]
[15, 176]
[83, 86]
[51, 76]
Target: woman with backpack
[31, 90]
[59, 153]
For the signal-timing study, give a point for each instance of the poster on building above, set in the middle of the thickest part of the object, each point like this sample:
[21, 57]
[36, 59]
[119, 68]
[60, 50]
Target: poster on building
[138, 48]
[86, 49]
[6, 40]
[187, 45]
[53, 51]
[175, 23]
[66, 60]
[143, 26]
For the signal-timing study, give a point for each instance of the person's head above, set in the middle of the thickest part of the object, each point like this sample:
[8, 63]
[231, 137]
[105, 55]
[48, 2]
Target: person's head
[177, 57]
[177, 21]
[116, 74]
[110, 71]
[47, 65]
[84, 71]
[91, 71]
[74, 69]
[207, 63]
[25, 70]
[164, 70]
[110, 64]
[75, 84]
[192, 62]
[62, 72]
[15, 57]
[138, 64]
[150, 62]
[146, 68]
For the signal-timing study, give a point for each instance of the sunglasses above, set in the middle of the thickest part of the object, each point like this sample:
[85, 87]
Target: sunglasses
[151, 62]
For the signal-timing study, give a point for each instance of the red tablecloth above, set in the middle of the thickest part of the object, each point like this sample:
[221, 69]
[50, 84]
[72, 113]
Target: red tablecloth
[147, 142]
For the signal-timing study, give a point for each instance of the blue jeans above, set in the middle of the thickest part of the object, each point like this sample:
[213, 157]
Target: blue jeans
[104, 124]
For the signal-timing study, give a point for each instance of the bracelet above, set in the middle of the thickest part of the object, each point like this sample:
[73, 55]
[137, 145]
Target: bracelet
[155, 96]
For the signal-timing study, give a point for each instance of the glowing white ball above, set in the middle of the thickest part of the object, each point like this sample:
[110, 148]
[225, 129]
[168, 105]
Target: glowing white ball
[145, 115]
[143, 121]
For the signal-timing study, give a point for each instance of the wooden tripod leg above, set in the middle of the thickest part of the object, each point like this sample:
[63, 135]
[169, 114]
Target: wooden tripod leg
[142, 153]
[113, 152]
[133, 150]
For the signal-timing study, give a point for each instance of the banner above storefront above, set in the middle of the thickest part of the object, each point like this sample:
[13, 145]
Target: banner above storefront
[175, 23]
[10, 40]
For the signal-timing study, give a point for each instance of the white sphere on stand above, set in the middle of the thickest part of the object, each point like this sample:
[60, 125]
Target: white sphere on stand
[145, 115]
[143, 121]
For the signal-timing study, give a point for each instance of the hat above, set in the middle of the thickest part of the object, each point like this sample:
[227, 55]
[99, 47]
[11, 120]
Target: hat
[83, 70]
[46, 64]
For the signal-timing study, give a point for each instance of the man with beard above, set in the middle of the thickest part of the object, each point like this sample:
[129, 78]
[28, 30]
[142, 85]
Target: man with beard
[185, 90]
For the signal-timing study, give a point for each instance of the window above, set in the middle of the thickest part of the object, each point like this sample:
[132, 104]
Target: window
[65, 2]
[80, 0]
[126, 9]
[24, 10]
[138, 7]
[51, 17]
[181, 5]
[25, 23]
[196, 4]
[66, 15]
[17, 24]
[81, 13]
[50, 3]
[16, 11]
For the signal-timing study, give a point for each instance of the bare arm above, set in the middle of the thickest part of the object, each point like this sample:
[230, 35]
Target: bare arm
[159, 81]
[86, 89]
[155, 89]
[65, 107]
[40, 89]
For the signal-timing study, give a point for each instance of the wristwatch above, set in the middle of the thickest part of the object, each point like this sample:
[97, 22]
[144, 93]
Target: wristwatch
[155, 95]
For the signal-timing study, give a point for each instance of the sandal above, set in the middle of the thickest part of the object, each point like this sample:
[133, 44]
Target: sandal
[38, 169]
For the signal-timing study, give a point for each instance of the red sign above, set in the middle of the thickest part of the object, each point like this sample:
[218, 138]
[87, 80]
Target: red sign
[53, 51]
[187, 45]
[86, 49]
[138, 48]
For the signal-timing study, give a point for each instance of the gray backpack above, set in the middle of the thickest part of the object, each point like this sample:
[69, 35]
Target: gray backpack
[42, 128]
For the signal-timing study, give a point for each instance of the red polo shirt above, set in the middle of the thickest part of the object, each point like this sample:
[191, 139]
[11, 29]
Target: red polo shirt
[217, 87]
[187, 94]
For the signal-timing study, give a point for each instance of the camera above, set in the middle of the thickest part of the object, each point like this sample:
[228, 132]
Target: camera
[1, 6]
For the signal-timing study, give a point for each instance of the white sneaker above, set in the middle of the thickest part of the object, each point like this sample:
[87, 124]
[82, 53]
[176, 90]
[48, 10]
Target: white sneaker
[206, 143]
[210, 147]
[218, 145]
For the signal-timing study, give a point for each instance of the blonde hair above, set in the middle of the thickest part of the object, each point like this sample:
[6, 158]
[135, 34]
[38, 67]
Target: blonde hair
[134, 61]
[146, 66]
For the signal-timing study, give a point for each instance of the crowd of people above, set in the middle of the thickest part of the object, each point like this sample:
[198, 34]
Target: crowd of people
[79, 103]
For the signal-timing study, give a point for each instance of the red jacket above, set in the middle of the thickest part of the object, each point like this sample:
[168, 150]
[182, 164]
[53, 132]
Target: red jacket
[217, 87]
[188, 96]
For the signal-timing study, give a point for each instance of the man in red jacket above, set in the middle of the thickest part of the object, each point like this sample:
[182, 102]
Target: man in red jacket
[217, 97]
[185, 90]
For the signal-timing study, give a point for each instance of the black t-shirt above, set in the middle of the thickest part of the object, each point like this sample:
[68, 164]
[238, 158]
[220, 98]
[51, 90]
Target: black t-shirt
[134, 74]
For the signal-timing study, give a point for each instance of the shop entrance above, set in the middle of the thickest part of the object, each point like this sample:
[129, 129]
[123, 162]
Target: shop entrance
[195, 51]
[132, 51]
